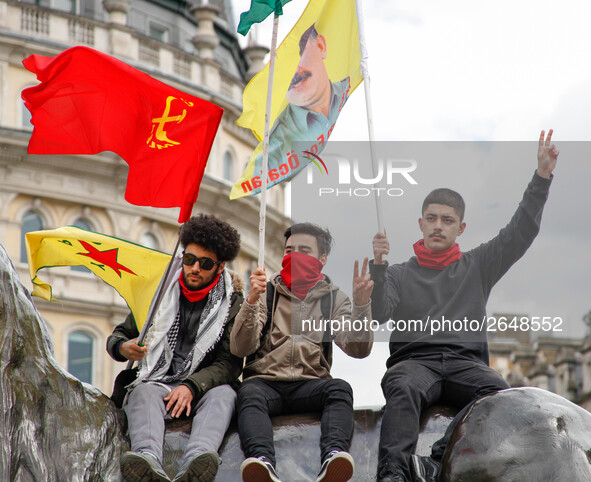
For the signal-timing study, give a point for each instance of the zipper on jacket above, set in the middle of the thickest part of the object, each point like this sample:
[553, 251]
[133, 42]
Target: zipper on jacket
[298, 333]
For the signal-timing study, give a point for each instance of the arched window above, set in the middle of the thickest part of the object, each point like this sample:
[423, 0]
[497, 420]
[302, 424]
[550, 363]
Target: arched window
[228, 166]
[82, 224]
[149, 241]
[32, 221]
[80, 353]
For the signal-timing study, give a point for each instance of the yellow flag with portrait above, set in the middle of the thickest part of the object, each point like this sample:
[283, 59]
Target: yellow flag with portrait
[316, 70]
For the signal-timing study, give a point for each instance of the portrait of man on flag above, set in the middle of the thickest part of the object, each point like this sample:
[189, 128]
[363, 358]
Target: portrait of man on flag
[317, 69]
[314, 105]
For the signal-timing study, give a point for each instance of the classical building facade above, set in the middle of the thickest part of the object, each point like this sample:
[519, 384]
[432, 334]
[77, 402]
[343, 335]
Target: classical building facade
[561, 365]
[192, 47]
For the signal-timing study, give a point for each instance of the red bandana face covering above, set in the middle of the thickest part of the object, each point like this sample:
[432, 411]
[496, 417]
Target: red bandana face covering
[436, 259]
[300, 272]
[196, 295]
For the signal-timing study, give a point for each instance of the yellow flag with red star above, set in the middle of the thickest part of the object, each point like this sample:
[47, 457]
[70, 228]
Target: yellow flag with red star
[133, 270]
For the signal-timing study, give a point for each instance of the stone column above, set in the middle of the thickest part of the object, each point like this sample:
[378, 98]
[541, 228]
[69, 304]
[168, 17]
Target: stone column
[3, 13]
[117, 10]
[255, 55]
[205, 38]
[121, 42]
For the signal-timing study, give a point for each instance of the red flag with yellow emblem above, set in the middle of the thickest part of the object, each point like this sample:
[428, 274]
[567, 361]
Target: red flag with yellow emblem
[89, 102]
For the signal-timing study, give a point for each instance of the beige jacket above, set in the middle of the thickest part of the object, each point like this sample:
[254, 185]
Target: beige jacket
[292, 349]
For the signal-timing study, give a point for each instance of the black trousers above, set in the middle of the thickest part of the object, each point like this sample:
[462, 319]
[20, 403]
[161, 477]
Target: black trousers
[413, 385]
[259, 400]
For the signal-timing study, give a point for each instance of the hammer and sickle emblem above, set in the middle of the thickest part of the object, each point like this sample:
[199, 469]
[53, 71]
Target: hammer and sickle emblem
[158, 138]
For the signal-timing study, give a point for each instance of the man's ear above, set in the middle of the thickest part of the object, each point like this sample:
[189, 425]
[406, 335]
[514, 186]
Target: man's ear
[321, 43]
[221, 267]
[421, 224]
[462, 228]
[323, 259]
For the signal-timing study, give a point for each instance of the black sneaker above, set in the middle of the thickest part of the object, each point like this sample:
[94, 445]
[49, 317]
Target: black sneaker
[337, 467]
[425, 469]
[201, 468]
[258, 469]
[139, 467]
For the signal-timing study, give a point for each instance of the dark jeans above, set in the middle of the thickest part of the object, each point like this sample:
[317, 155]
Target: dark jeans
[259, 400]
[413, 385]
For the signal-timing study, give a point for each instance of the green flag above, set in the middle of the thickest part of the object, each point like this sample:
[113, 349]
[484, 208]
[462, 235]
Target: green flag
[259, 11]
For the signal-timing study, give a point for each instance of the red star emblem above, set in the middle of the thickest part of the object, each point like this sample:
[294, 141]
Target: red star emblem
[105, 258]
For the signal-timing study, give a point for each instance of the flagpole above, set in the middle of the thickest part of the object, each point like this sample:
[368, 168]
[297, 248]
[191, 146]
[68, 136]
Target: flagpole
[366, 86]
[159, 294]
[263, 208]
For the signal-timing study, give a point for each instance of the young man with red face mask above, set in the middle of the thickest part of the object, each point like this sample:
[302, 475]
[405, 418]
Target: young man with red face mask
[288, 369]
[441, 282]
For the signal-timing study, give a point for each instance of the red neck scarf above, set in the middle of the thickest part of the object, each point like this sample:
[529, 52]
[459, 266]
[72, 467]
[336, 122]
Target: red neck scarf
[300, 272]
[436, 259]
[196, 295]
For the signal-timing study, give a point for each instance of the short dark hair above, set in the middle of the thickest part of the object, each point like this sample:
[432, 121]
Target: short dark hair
[310, 32]
[448, 198]
[212, 234]
[322, 235]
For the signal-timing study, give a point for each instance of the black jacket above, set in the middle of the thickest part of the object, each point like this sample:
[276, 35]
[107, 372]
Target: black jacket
[218, 367]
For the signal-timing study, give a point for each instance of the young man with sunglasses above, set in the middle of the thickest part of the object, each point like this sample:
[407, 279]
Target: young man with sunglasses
[288, 369]
[185, 365]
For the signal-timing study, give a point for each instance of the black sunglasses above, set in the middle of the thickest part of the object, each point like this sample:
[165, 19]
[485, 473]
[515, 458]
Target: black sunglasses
[204, 263]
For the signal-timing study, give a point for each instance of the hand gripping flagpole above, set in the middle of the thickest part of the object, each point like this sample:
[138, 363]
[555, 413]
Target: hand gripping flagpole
[263, 209]
[164, 283]
[366, 85]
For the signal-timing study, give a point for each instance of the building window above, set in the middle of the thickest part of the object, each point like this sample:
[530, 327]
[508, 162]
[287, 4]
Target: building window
[159, 33]
[149, 241]
[189, 46]
[65, 5]
[80, 353]
[228, 166]
[32, 221]
[82, 224]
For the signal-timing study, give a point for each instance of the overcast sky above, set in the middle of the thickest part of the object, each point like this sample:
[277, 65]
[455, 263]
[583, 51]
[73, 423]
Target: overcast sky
[460, 70]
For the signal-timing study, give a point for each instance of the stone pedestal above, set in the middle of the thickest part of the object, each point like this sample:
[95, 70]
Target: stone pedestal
[297, 444]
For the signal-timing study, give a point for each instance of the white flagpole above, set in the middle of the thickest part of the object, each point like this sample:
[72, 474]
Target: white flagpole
[164, 284]
[366, 85]
[263, 208]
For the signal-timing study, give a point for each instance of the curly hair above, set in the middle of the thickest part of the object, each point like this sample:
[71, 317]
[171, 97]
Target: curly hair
[212, 234]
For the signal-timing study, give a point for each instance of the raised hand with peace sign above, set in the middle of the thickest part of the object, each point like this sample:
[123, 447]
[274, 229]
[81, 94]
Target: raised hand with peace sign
[547, 155]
